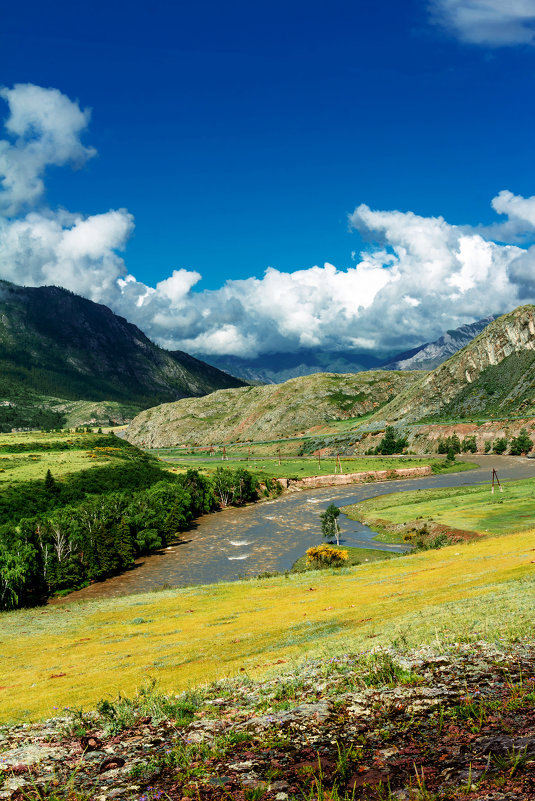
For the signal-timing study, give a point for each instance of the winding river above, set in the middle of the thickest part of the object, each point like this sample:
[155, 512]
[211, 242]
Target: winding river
[270, 536]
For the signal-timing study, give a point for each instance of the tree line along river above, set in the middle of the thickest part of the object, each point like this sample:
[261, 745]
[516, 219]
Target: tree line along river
[270, 536]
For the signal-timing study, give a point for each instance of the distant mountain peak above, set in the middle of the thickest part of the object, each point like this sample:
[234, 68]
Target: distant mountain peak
[431, 354]
[275, 368]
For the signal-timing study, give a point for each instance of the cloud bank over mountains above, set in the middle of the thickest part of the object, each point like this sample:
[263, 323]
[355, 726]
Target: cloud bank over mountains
[418, 276]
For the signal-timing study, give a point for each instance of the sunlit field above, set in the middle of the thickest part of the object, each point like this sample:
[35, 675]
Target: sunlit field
[301, 467]
[469, 508]
[73, 654]
[28, 456]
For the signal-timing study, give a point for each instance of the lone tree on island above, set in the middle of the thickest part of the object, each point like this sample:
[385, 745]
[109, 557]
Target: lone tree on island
[329, 523]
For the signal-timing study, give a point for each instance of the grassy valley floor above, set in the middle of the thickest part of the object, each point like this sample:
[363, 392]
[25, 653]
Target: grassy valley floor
[267, 467]
[473, 509]
[66, 654]
[408, 678]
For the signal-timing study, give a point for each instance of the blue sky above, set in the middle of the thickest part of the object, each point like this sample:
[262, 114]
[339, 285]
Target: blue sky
[241, 136]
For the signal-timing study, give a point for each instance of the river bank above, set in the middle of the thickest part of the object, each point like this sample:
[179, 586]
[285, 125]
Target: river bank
[270, 536]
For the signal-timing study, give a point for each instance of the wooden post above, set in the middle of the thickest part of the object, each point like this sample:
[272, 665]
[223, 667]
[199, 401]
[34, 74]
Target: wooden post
[495, 477]
[338, 464]
[279, 452]
[224, 456]
[319, 460]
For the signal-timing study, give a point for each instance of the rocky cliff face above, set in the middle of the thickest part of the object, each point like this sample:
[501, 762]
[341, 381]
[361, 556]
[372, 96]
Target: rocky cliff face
[489, 373]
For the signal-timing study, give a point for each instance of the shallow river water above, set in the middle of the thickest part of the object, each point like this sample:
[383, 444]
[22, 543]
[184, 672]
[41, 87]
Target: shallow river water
[271, 535]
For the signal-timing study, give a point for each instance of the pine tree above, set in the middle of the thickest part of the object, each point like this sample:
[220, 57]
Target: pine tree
[50, 484]
[124, 543]
[174, 521]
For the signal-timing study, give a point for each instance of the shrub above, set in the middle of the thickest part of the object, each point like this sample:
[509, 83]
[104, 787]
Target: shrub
[448, 444]
[390, 443]
[469, 445]
[326, 556]
[521, 444]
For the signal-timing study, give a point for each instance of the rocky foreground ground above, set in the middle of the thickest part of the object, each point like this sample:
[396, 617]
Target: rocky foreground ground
[445, 723]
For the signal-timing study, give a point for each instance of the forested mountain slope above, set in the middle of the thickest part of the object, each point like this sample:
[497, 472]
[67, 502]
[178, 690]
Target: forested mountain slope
[56, 344]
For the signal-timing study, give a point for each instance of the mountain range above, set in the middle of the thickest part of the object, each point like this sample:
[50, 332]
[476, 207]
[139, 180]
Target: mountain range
[275, 368]
[67, 360]
[493, 375]
[58, 349]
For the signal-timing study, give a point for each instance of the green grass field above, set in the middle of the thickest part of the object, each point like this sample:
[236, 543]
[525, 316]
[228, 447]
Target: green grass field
[290, 467]
[468, 508]
[23, 467]
[29, 465]
[73, 654]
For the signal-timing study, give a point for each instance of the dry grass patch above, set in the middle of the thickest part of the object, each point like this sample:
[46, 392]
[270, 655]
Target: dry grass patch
[75, 654]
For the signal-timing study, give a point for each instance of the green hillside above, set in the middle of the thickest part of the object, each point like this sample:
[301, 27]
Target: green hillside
[57, 345]
[501, 389]
[268, 412]
[493, 374]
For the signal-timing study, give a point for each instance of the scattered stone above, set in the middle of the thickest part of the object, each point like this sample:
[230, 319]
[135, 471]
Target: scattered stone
[464, 723]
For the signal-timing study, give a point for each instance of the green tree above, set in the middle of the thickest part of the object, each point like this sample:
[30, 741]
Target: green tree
[455, 443]
[390, 443]
[500, 445]
[51, 487]
[223, 481]
[124, 543]
[175, 520]
[329, 523]
[469, 445]
[449, 444]
[521, 444]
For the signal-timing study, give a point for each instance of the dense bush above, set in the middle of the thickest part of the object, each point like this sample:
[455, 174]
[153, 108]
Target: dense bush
[448, 444]
[326, 556]
[469, 444]
[500, 445]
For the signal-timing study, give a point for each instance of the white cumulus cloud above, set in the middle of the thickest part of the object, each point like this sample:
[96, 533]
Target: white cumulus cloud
[494, 23]
[43, 129]
[418, 276]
